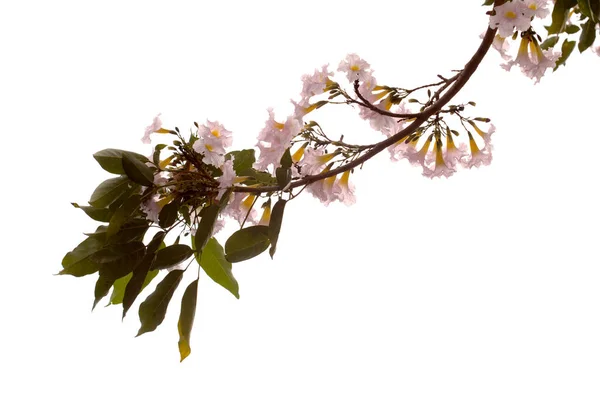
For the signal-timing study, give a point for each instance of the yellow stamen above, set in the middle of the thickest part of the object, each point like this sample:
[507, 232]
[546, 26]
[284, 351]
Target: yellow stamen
[279, 125]
[209, 148]
[354, 68]
[510, 14]
[216, 133]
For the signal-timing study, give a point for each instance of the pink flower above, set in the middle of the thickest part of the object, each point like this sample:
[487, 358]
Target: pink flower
[344, 190]
[274, 139]
[481, 156]
[314, 161]
[355, 68]
[152, 128]
[227, 179]
[216, 134]
[315, 84]
[441, 169]
[511, 15]
[323, 190]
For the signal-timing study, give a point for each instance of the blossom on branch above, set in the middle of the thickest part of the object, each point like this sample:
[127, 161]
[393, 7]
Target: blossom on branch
[511, 15]
[478, 156]
[532, 60]
[344, 190]
[227, 179]
[274, 139]
[316, 83]
[314, 161]
[355, 68]
[155, 126]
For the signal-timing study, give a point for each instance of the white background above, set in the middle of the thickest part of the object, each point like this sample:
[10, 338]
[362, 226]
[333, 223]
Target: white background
[475, 294]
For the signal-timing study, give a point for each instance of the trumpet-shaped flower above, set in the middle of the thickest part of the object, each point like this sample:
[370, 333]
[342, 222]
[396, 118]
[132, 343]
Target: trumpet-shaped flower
[155, 126]
[539, 8]
[355, 68]
[344, 189]
[323, 190]
[274, 139]
[478, 156]
[316, 83]
[532, 60]
[216, 135]
[511, 15]
[441, 169]
[214, 154]
[227, 179]
[240, 208]
[314, 161]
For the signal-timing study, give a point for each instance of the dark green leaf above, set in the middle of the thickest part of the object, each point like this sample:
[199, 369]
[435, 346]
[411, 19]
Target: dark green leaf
[153, 310]
[286, 159]
[108, 191]
[247, 243]
[186, 318]
[110, 159]
[217, 268]
[98, 214]
[137, 171]
[205, 228]
[122, 215]
[133, 230]
[172, 256]
[77, 262]
[284, 176]
[242, 161]
[103, 285]
[275, 224]
[488, 2]
[156, 154]
[585, 8]
[560, 15]
[257, 177]
[549, 42]
[566, 49]
[571, 28]
[168, 214]
[141, 272]
[116, 261]
[588, 35]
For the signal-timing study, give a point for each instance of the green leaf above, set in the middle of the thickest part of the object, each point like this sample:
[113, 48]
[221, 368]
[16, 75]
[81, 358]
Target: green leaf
[275, 224]
[186, 318]
[488, 2]
[122, 215]
[137, 171]
[156, 155]
[140, 272]
[110, 159]
[77, 262]
[588, 35]
[242, 161]
[116, 261]
[257, 177]
[286, 159]
[153, 310]
[98, 214]
[284, 176]
[571, 28]
[213, 262]
[172, 256]
[586, 8]
[566, 49]
[168, 214]
[108, 191]
[205, 228]
[247, 243]
[560, 15]
[133, 230]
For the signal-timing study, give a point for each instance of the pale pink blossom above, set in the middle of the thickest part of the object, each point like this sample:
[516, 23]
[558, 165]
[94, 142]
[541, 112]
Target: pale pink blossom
[479, 156]
[316, 83]
[532, 60]
[152, 128]
[511, 15]
[440, 169]
[213, 155]
[539, 8]
[241, 207]
[314, 161]
[227, 179]
[215, 132]
[323, 190]
[151, 207]
[354, 67]
[274, 139]
[344, 189]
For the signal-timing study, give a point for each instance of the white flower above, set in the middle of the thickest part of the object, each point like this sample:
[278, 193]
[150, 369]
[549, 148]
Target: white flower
[355, 67]
[532, 60]
[510, 15]
[151, 207]
[152, 128]
[227, 179]
[344, 190]
[215, 133]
